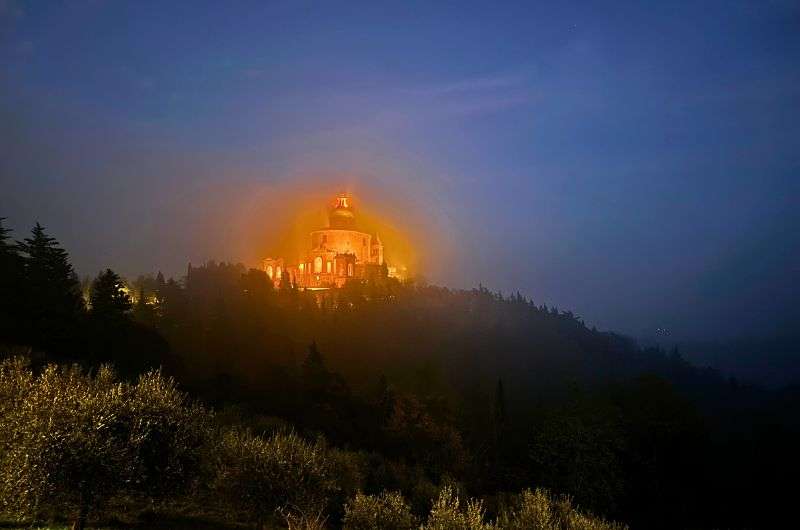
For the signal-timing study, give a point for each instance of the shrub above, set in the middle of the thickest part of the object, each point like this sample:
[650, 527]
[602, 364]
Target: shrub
[413, 433]
[538, 510]
[533, 510]
[70, 441]
[577, 450]
[447, 513]
[387, 510]
[349, 470]
[264, 476]
[167, 436]
[64, 440]
[295, 521]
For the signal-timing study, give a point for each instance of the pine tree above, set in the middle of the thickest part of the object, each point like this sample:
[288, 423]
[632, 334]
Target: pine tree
[49, 271]
[4, 246]
[10, 287]
[108, 298]
[9, 261]
[53, 304]
[498, 442]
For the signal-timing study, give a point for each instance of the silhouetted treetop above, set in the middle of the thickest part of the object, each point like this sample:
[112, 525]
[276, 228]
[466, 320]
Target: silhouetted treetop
[108, 297]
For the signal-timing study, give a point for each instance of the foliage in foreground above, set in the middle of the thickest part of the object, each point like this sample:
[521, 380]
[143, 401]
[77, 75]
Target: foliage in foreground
[530, 510]
[264, 476]
[539, 510]
[387, 510]
[616, 426]
[70, 441]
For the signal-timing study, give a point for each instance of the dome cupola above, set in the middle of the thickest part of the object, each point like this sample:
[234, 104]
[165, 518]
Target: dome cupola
[342, 216]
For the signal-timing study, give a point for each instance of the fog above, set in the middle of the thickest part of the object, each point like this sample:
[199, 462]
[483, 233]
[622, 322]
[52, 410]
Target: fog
[650, 189]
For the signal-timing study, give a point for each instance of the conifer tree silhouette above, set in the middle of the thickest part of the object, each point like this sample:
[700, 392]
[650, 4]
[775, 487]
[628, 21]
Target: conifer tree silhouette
[108, 299]
[52, 303]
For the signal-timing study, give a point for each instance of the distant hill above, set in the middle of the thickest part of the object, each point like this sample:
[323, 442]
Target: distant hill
[772, 362]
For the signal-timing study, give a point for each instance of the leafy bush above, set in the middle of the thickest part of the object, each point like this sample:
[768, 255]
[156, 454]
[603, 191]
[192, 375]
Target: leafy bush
[295, 521]
[167, 434]
[448, 513]
[349, 469]
[64, 442]
[70, 441]
[577, 450]
[264, 476]
[387, 510]
[533, 510]
[413, 432]
[538, 510]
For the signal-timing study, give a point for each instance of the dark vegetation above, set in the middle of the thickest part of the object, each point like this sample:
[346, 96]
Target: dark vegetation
[771, 362]
[379, 405]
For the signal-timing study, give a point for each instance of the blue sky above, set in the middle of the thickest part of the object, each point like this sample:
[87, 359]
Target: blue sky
[635, 162]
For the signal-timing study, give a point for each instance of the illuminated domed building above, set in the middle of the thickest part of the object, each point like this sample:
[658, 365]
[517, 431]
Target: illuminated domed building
[337, 254]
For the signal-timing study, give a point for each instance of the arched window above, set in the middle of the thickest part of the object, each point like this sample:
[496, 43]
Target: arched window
[269, 271]
[349, 269]
[329, 267]
[317, 264]
[302, 266]
[278, 272]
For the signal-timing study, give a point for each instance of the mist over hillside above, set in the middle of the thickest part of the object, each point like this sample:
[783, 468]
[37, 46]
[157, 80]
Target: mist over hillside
[767, 361]
[407, 266]
[425, 388]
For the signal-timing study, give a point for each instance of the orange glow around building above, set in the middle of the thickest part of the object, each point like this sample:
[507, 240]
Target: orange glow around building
[343, 249]
[255, 220]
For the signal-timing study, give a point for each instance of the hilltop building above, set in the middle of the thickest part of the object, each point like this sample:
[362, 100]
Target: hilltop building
[335, 254]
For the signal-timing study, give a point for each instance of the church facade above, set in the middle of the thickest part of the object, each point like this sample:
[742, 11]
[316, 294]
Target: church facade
[335, 254]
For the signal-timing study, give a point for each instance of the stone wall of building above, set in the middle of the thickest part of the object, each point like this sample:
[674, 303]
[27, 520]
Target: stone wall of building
[335, 255]
[343, 242]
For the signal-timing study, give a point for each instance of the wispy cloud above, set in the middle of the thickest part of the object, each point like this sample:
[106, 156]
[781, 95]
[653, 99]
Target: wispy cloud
[467, 97]
[474, 95]
[487, 104]
[472, 85]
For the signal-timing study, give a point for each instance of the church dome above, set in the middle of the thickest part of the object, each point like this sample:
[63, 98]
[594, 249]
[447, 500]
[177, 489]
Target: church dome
[342, 216]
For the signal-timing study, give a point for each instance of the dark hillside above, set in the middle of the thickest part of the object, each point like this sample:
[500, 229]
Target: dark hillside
[429, 386]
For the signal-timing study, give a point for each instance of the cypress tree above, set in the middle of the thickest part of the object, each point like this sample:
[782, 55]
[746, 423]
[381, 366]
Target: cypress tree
[385, 398]
[499, 406]
[315, 373]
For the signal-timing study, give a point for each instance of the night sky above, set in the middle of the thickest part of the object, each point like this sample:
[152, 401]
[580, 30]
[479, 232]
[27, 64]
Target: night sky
[636, 163]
